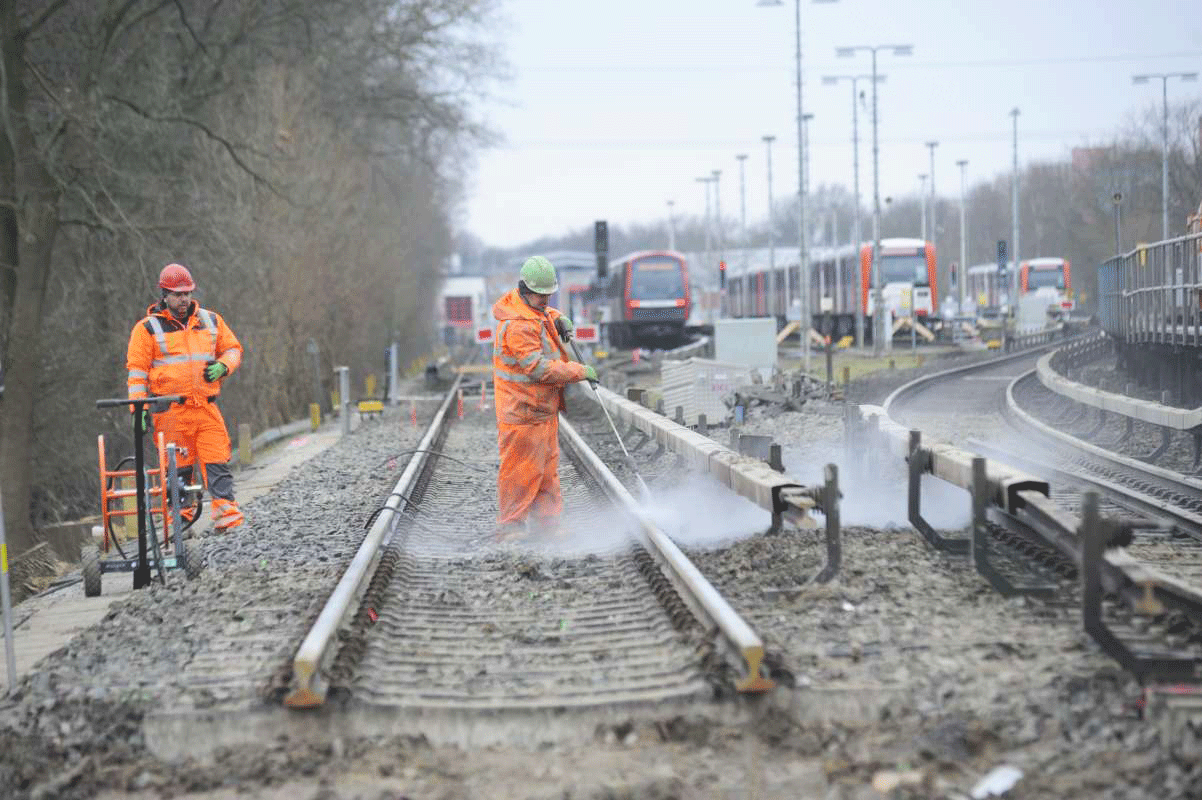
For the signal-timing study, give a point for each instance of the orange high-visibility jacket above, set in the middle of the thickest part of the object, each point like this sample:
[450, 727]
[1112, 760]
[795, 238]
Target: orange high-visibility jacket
[167, 356]
[529, 364]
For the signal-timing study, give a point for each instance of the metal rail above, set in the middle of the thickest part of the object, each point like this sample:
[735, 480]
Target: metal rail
[1087, 540]
[1168, 481]
[309, 686]
[738, 640]
[909, 388]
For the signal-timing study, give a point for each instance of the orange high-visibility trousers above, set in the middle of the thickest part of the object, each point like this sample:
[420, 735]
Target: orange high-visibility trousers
[528, 482]
[199, 428]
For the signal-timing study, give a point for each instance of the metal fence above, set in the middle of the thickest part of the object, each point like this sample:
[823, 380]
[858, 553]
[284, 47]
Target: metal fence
[1153, 295]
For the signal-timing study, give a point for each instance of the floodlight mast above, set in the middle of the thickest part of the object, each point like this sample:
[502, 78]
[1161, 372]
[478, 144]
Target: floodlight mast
[880, 336]
[857, 235]
[1164, 141]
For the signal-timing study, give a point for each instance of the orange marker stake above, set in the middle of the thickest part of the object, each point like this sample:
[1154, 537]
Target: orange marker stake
[413, 412]
[460, 404]
[483, 390]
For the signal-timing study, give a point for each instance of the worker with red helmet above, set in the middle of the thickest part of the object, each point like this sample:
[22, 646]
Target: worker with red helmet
[179, 348]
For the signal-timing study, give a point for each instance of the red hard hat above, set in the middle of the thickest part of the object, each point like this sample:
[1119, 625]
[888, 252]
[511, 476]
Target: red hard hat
[176, 278]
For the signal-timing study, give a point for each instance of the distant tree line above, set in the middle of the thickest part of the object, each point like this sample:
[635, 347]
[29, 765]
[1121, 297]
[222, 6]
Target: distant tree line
[1065, 208]
[301, 157]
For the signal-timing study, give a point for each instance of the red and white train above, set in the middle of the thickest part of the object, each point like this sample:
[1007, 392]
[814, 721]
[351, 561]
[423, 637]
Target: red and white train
[842, 281]
[1053, 274]
[644, 299]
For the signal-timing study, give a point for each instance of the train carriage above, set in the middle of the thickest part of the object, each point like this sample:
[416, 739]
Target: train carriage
[462, 307]
[644, 300]
[841, 282]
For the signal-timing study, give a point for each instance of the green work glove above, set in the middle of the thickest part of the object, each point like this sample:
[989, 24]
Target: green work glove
[215, 371]
[590, 373]
[565, 328]
[147, 421]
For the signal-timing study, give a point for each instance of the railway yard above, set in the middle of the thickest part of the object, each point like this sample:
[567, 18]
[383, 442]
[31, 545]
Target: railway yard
[589, 663]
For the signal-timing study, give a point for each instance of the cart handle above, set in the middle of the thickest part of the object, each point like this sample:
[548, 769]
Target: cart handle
[140, 402]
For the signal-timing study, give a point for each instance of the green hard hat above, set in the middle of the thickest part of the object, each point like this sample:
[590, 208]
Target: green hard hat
[539, 275]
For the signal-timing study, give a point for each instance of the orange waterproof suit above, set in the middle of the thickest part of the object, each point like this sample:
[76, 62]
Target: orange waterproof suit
[167, 356]
[530, 369]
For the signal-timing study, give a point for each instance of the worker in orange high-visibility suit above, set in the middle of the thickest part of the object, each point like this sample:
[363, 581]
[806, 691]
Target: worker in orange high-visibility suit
[179, 348]
[530, 369]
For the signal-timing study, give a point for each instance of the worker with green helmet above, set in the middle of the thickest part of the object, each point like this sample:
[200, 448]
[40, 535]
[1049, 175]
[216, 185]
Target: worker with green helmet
[530, 369]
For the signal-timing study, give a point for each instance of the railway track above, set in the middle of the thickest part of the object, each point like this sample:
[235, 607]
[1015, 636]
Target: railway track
[435, 614]
[1158, 570]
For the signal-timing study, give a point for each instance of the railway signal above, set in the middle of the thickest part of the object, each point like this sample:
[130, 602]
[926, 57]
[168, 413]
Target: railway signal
[601, 246]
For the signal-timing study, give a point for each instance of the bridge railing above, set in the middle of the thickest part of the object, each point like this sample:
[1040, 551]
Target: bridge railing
[1154, 293]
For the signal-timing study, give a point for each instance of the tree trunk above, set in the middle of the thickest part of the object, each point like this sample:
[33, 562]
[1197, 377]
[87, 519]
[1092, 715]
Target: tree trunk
[37, 198]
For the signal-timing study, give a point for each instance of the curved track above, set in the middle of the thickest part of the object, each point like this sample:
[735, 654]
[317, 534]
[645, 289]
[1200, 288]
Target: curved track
[988, 417]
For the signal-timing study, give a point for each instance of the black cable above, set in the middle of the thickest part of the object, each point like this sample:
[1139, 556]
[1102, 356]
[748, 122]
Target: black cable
[385, 507]
[476, 465]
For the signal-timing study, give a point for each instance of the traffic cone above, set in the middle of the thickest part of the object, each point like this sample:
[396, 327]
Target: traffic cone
[413, 412]
[460, 404]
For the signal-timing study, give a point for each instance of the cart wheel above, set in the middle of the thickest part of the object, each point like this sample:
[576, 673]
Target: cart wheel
[91, 572]
[194, 559]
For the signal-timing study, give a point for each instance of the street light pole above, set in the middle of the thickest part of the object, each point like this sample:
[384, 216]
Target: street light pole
[922, 201]
[770, 304]
[671, 226]
[803, 261]
[742, 159]
[934, 217]
[963, 277]
[806, 300]
[706, 180]
[857, 235]
[718, 214]
[880, 335]
[1164, 141]
[1014, 220]
[1118, 219]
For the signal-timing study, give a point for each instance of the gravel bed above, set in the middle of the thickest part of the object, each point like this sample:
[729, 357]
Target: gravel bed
[955, 678]
[80, 712]
[930, 678]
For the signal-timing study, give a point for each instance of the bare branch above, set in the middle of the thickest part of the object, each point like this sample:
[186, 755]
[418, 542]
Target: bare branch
[207, 131]
[183, 17]
[42, 18]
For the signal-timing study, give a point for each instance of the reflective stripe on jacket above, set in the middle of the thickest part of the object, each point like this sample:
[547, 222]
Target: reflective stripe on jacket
[166, 356]
[530, 367]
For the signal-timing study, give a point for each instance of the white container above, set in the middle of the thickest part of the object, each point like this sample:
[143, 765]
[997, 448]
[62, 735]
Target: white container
[748, 342]
[700, 386]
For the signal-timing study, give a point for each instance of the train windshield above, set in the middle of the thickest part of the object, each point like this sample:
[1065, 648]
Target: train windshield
[656, 279]
[905, 269]
[1041, 278]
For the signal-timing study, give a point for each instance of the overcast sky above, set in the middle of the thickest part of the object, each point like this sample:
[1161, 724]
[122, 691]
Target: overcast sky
[616, 106]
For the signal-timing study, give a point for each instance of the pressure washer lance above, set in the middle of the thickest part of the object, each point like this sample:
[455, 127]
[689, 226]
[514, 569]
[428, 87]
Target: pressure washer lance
[629, 461]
